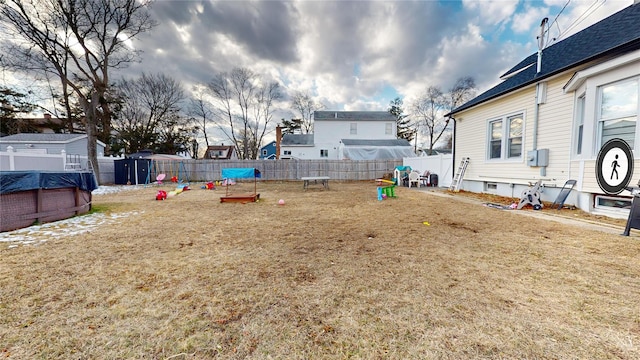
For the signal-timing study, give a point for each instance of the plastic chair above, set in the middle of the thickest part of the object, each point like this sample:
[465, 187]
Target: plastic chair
[414, 177]
[160, 177]
[425, 178]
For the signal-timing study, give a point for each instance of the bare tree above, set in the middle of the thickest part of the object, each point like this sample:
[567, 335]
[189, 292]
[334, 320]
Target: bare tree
[462, 91]
[244, 108]
[427, 111]
[305, 105]
[201, 113]
[263, 115]
[149, 117]
[79, 41]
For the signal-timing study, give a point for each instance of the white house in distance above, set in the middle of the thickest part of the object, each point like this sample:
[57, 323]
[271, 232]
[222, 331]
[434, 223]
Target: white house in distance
[549, 117]
[353, 135]
[48, 143]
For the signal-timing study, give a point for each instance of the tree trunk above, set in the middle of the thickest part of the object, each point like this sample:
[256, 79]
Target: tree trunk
[92, 136]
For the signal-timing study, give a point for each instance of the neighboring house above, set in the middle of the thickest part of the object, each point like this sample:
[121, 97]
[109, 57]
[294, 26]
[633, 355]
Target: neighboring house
[268, 151]
[549, 117]
[221, 152]
[72, 144]
[354, 135]
[46, 125]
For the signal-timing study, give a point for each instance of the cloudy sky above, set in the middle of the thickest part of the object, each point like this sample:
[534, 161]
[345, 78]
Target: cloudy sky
[356, 55]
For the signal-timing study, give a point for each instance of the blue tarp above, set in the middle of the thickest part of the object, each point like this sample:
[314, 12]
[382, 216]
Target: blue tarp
[14, 181]
[240, 173]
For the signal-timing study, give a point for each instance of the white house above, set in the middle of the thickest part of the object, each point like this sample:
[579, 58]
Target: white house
[354, 135]
[551, 114]
[48, 143]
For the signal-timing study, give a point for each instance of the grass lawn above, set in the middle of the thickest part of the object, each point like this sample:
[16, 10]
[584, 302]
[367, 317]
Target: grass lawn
[331, 274]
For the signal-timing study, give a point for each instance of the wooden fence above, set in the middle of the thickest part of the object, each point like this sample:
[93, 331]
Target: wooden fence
[208, 170]
[291, 169]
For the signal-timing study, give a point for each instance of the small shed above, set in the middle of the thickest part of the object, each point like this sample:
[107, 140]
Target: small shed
[49, 143]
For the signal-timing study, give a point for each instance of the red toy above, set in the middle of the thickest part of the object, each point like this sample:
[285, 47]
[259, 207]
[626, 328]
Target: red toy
[174, 179]
[162, 195]
[210, 186]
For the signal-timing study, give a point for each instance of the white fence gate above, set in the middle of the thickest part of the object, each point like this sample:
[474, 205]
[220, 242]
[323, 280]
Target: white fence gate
[441, 164]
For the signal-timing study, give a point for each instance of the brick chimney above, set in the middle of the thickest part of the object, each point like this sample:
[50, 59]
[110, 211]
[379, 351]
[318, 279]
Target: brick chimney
[278, 138]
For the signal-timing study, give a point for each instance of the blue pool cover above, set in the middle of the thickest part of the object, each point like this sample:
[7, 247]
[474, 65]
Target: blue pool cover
[14, 181]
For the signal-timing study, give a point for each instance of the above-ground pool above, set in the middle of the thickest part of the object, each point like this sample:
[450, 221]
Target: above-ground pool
[28, 197]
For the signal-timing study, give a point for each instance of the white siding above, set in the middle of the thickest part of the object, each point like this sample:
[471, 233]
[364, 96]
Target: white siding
[554, 133]
[328, 134]
[330, 131]
[77, 147]
[471, 138]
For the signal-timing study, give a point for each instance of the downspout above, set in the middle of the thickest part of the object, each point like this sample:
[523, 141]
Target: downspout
[536, 109]
[453, 149]
[536, 116]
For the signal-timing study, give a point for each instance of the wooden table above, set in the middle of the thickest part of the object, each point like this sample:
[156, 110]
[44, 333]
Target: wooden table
[324, 180]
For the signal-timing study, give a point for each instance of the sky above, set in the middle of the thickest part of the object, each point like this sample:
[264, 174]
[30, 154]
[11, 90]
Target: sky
[354, 55]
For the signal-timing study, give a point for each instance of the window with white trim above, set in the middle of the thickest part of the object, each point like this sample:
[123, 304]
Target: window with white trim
[388, 128]
[353, 129]
[580, 107]
[324, 153]
[612, 202]
[287, 152]
[495, 139]
[515, 136]
[617, 115]
[505, 138]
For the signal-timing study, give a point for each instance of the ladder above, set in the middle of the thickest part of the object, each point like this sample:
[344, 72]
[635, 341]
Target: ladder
[457, 180]
[72, 163]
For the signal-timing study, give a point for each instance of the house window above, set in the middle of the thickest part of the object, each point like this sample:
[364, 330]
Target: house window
[515, 136]
[495, 142]
[388, 129]
[618, 113]
[505, 137]
[264, 152]
[580, 106]
[287, 152]
[354, 129]
[612, 202]
[324, 153]
[491, 187]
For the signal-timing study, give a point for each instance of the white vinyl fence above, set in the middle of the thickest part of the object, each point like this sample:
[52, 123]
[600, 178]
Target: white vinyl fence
[441, 164]
[27, 161]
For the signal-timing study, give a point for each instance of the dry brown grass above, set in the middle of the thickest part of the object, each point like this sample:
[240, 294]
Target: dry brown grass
[330, 275]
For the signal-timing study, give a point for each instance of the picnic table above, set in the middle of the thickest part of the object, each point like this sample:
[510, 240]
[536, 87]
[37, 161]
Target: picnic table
[324, 180]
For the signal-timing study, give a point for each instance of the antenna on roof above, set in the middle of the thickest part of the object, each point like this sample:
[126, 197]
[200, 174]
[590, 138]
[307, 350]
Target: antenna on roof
[541, 43]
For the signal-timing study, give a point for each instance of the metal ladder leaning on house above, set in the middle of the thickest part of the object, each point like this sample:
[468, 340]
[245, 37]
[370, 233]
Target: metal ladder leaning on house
[457, 180]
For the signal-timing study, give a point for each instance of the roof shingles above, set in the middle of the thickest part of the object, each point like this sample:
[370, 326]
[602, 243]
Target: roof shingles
[615, 35]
